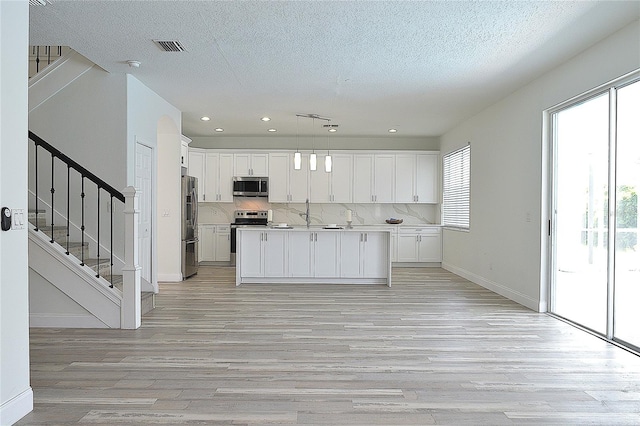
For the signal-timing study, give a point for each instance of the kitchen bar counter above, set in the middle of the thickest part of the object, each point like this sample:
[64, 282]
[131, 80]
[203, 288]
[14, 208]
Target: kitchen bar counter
[313, 255]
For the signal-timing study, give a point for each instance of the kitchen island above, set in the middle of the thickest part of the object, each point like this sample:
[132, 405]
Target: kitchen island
[313, 255]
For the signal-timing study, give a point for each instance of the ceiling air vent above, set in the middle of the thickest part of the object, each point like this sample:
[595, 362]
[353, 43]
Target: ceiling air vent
[37, 3]
[170, 45]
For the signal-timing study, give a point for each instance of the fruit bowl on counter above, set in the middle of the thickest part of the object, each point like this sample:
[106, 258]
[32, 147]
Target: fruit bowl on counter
[393, 221]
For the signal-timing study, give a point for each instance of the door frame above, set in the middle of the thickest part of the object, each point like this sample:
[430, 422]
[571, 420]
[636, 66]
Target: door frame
[153, 284]
[548, 202]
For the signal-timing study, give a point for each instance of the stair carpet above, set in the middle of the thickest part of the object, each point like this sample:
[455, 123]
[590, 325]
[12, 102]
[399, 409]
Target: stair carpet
[101, 266]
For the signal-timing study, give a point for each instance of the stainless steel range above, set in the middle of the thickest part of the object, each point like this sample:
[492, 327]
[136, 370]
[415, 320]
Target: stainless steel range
[245, 218]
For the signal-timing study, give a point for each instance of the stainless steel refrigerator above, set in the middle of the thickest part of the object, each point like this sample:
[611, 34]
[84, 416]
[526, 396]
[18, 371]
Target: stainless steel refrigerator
[189, 202]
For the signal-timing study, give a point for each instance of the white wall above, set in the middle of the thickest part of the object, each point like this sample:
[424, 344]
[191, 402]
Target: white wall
[16, 397]
[87, 121]
[503, 249]
[305, 142]
[155, 122]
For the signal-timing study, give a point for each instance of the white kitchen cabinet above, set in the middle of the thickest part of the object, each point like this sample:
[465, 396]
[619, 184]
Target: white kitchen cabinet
[206, 243]
[214, 243]
[427, 182]
[301, 250]
[263, 253]
[325, 254]
[218, 177]
[184, 151]
[419, 245]
[313, 254]
[342, 178]
[197, 159]
[370, 249]
[363, 178]
[287, 185]
[251, 164]
[319, 186]
[333, 187]
[416, 178]
[384, 178]
[223, 243]
[373, 178]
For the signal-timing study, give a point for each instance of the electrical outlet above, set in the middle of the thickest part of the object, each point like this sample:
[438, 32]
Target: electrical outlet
[165, 213]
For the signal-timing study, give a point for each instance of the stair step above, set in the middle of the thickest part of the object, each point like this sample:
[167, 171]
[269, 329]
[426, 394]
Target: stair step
[117, 280]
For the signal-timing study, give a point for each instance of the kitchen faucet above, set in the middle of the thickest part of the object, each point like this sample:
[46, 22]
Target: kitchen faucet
[306, 215]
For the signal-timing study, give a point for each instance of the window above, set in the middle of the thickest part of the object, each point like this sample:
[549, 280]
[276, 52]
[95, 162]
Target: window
[456, 181]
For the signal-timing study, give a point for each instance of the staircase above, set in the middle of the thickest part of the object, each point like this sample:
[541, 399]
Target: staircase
[83, 232]
[101, 307]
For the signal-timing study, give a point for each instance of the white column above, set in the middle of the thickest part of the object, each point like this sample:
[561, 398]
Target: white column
[130, 310]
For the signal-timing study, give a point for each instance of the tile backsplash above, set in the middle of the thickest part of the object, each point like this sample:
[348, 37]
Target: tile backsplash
[363, 214]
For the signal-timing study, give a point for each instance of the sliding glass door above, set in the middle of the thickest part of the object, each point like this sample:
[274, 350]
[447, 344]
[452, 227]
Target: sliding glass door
[596, 159]
[627, 251]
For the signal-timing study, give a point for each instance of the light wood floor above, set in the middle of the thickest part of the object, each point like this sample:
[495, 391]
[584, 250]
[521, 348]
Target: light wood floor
[432, 349]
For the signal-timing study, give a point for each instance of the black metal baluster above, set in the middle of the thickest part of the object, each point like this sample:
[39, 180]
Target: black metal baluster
[37, 59]
[36, 171]
[111, 242]
[82, 224]
[48, 49]
[52, 197]
[68, 204]
[98, 250]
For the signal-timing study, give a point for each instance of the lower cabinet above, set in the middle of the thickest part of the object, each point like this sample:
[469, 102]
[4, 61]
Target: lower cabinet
[419, 245]
[365, 254]
[309, 256]
[313, 254]
[214, 243]
[262, 254]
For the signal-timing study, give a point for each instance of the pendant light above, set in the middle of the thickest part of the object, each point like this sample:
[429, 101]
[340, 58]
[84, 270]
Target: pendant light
[313, 159]
[297, 157]
[327, 158]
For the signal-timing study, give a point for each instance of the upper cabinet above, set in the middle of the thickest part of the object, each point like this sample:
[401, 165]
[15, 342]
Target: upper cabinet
[356, 177]
[373, 178]
[252, 164]
[184, 151]
[219, 177]
[416, 178]
[287, 185]
[333, 187]
[215, 174]
[196, 169]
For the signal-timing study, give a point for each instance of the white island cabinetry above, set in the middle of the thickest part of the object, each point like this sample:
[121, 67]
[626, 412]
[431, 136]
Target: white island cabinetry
[303, 255]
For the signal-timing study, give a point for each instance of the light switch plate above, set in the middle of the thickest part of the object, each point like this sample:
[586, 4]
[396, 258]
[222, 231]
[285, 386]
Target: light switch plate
[18, 219]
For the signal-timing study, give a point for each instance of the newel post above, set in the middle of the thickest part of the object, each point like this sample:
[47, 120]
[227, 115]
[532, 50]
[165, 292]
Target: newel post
[131, 311]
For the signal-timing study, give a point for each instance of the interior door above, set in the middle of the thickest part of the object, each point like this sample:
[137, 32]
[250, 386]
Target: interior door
[144, 185]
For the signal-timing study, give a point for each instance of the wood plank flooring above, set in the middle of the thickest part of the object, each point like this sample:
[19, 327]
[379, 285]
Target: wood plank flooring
[432, 349]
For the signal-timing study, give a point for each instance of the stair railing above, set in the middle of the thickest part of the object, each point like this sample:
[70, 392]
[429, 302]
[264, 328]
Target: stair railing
[85, 174]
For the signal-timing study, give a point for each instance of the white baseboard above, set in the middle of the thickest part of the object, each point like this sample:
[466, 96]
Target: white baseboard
[517, 297]
[170, 277]
[16, 408]
[44, 320]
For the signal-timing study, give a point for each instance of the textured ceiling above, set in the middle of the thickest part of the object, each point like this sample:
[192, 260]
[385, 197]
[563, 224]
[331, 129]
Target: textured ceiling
[420, 67]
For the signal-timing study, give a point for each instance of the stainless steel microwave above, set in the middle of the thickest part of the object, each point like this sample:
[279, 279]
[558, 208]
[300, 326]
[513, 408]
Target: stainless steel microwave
[250, 186]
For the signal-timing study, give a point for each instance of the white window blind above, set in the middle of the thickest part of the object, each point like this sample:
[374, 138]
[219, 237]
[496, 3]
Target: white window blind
[456, 181]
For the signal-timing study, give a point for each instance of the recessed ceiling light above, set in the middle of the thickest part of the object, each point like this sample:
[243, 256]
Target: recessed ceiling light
[333, 130]
[265, 119]
[393, 130]
[205, 118]
[219, 129]
[272, 130]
